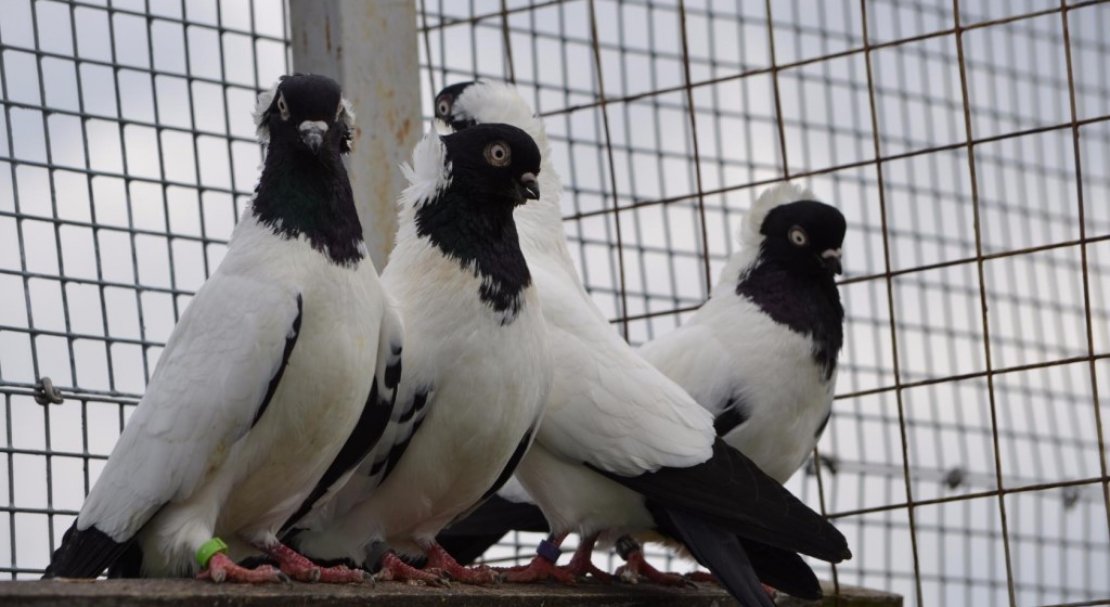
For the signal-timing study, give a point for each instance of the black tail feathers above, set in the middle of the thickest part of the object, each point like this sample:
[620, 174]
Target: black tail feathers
[730, 492]
[719, 551]
[85, 553]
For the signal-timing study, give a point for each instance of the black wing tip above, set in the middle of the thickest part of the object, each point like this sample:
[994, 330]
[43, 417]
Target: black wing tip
[721, 552]
[731, 492]
[84, 553]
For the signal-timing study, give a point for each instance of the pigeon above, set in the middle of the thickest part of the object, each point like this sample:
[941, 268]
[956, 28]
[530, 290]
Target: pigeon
[262, 381]
[622, 447]
[761, 353]
[477, 367]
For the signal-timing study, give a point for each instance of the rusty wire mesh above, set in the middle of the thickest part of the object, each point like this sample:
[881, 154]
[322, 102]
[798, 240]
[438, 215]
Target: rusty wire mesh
[127, 149]
[968, 143]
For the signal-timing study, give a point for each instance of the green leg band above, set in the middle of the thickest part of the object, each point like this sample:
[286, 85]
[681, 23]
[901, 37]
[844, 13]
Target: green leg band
[208, 550]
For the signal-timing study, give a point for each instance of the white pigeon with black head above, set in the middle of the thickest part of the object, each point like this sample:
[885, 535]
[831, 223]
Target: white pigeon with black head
[262, 380]
[761, 353]
[477, 367]
[623, 448]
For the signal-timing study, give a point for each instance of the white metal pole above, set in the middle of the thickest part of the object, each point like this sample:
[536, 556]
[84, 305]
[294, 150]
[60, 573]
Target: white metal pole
[370, 48]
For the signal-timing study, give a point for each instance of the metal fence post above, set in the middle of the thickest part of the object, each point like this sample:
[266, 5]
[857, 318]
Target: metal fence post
[371, 49]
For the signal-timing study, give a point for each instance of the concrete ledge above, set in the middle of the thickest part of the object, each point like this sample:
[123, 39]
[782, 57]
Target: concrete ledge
[180, 593]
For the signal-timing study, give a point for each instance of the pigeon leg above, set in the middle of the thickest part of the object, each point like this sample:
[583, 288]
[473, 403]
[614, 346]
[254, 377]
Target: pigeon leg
[637, 567]
[395, 569]
[581, 564]
[438, 558]
[301, 569]
[222, 569]
[543, 565]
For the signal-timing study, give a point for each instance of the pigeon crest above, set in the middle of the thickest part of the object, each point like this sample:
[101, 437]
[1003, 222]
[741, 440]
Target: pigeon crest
[428, 174]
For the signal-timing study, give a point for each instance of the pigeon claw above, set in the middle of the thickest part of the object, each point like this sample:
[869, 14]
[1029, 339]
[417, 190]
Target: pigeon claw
[637, 568]
[301, 569]
[396, 570]
[580, 566]
[539, 570]
[222, 569]
[440, 560]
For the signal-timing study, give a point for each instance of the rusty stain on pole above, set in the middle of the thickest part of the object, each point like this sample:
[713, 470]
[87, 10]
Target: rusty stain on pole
[371, 49]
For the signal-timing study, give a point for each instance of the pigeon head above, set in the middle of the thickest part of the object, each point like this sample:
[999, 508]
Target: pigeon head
[466, 104]
[306, 113]
[496, 163]
[804, 235]
[445, 106]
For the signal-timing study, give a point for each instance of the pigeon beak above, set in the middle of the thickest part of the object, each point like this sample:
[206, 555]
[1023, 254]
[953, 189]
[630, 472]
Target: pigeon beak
[312, 133]
[831, 259]
[531, 187]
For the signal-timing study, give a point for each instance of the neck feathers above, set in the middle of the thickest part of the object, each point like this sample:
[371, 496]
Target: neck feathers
[483, 240]
[310, 197]
[805, 304]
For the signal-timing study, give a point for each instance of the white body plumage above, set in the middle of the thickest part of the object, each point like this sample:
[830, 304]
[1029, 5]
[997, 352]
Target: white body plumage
[190, 442]
[608, 407]
[731, 349]
[485, 382]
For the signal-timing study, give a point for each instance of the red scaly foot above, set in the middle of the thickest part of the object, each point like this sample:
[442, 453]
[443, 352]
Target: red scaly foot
[394, 569]
[539, 570]
[637, 568]
[222, 569]
[543, 566]
[581, 564]
[301, 569]
[439, 559]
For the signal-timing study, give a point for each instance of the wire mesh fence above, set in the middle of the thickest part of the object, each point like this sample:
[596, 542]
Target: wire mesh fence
[126, 149]
[968, 144]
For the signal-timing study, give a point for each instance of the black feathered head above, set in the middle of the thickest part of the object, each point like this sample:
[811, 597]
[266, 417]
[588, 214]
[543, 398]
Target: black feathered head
[306, 111]
[445, 106]
[804, 235]
[494, 162]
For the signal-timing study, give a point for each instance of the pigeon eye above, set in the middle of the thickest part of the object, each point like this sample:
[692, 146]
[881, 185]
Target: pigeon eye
[443, 107]
[798, 236]
[498, 154]
[283, 107]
